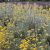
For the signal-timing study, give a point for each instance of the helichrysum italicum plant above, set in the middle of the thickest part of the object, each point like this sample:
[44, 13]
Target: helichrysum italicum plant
[24, 27]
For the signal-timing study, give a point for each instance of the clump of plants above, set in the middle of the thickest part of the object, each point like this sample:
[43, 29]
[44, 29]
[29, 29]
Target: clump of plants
[24, 27]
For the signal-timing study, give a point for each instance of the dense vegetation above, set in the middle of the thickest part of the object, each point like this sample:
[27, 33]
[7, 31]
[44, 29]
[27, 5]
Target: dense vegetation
[24, 27]
[23, 0]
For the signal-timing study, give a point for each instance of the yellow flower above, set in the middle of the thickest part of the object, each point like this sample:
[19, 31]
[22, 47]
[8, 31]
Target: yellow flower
[23, 41]
[24, 49]
[24, 44]
[34, 48]
[34, 39]
[10, 24]
[2, 36]
[21, 45]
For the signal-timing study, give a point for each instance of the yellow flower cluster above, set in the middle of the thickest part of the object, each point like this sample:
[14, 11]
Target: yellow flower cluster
[2, 28]
[24, 44]
[2, 37]
[34, 48]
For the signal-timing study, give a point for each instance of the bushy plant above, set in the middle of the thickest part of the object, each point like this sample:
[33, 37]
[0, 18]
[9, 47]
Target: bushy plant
[24, 27]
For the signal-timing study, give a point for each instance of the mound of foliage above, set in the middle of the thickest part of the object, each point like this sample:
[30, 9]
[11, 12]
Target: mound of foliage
[24, 27]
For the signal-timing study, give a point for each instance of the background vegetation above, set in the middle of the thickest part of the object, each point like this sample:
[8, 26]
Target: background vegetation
[23, 0]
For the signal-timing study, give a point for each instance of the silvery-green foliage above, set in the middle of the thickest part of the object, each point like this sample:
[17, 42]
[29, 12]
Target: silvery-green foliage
[18, 23]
